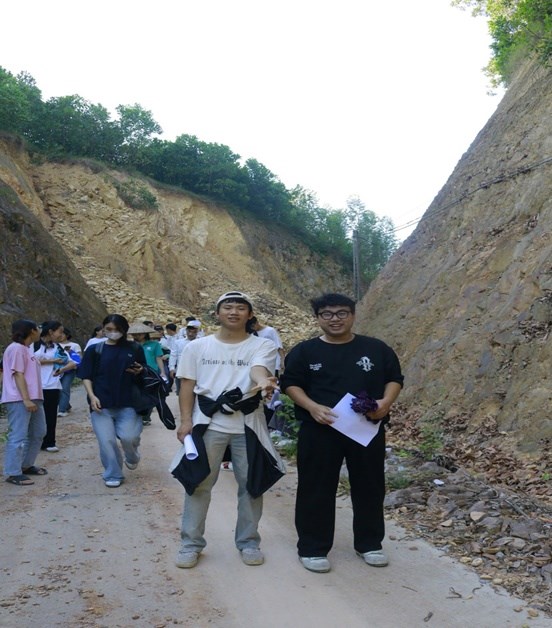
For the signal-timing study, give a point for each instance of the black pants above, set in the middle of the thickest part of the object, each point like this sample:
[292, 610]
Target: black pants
[51, 401]
[320, 454]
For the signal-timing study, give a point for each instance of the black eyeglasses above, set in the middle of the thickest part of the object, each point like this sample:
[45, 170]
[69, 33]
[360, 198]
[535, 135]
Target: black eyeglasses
[326, 315]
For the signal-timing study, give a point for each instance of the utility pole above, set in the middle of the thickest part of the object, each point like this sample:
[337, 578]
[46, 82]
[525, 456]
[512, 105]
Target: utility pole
[356, 265]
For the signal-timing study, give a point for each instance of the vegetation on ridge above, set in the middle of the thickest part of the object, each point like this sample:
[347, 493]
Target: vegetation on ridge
[70, 126]
[517, 28]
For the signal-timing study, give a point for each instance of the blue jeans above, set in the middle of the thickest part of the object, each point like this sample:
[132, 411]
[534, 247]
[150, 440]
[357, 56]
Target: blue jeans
[65, 392]
[25, 434]
[109, 425]
[197, 505]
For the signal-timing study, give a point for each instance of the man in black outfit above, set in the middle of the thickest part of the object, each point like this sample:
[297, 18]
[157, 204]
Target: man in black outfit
[318, 373]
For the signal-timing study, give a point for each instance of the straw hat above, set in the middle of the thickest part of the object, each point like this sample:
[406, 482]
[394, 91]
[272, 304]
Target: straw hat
[140, 328]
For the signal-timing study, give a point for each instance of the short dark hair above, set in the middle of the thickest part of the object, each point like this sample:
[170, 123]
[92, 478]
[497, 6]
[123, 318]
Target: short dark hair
[67, 333]
[170, 326]
[332, 299]
[22, 329]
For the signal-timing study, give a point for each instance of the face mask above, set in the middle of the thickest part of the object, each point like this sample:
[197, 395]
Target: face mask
[113, 335]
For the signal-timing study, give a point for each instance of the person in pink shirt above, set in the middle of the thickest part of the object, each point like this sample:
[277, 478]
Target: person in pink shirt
[23, 399]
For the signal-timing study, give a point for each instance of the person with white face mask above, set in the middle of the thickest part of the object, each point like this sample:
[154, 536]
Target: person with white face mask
[107, 371]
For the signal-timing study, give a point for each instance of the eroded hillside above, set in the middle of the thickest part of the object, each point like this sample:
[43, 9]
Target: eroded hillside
[467, 300]
[166, 263]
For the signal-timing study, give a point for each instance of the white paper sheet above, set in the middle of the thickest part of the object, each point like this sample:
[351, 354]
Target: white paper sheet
[353, 424]
[188, 449]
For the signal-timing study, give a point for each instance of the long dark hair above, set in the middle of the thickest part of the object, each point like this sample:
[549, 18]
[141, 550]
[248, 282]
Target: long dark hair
[120, 323]
[47, 327]
[22, 329]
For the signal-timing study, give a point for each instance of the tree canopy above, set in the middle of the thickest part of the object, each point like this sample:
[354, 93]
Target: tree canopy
[517, 27]
[70, 126]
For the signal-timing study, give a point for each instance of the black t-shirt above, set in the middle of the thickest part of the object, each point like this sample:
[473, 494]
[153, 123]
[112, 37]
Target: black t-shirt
[326, 371]
[106, 368]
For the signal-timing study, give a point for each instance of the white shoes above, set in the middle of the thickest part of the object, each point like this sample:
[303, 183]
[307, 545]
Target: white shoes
[186, 559]
[375, 558]
[252, 556]
[113, 483]
[318, 564]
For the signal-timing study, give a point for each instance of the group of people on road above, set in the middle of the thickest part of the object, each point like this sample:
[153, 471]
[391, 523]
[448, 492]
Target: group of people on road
[40, 363]
[222, 380]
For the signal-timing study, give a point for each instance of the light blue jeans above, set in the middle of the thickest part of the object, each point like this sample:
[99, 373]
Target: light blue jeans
[25, 434]
[197, 505]
[65, 392]
[109, 425]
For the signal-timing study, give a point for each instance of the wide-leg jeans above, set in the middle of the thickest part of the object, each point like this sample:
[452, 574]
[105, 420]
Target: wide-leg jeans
[25, 434]
[196, 505]
[109, 425]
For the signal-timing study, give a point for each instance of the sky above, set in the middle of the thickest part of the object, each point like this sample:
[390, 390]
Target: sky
[365, 98]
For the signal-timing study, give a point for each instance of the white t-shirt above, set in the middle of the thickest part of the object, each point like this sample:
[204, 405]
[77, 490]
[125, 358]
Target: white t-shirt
[218, 366]
[94, 341]
[50, 381]
[272, 334]
[176, 352]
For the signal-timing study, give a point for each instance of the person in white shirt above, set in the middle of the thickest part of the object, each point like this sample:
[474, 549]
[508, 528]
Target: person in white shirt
[265, 331]
[192, 330]
[228, 360]
[97, 336]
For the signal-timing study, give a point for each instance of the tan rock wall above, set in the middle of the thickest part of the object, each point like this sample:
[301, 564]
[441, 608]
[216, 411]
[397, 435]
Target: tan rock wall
[467, 300]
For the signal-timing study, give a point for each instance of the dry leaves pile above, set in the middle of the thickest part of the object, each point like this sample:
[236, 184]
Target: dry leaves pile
[477, 498]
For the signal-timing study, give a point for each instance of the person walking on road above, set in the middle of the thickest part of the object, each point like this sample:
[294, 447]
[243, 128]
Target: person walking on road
[107, 371]
[318, 373]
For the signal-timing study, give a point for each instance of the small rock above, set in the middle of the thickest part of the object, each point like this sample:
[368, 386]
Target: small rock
[477, 515]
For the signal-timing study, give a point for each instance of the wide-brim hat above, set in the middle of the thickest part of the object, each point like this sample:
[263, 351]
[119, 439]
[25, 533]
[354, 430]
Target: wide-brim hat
[140, 328]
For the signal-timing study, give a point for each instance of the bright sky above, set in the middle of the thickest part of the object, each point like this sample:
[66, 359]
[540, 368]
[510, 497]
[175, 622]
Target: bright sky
[365, 98]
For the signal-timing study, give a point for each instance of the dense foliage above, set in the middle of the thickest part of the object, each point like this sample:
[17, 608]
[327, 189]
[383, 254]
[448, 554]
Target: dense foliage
[517, 27]
[71, 126]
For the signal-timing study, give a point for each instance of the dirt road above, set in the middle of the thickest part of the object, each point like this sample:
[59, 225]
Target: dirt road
[75, 553]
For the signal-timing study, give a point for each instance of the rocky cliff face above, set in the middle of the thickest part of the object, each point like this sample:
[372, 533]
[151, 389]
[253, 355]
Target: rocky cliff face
[38, 280]
[467, 300]
[160, 264]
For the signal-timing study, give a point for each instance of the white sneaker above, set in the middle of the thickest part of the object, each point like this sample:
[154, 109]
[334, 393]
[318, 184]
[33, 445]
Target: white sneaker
[226, 466]
[252, 556]
[375, 558]
[186, 559]
[63, 413]
[318, 564]
[52, 449]
[113, 483]
[132, 465]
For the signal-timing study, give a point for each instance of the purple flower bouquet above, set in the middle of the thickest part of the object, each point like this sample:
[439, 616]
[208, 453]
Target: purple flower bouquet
[363, 404]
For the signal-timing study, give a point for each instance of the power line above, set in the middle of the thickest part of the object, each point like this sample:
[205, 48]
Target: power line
[483, 186]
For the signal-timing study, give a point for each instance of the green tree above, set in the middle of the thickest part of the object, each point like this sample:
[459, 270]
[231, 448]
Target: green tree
[268, 196]
[517, 28]
[136, 126]
[376, 236]
[72, 125]
[19, 100]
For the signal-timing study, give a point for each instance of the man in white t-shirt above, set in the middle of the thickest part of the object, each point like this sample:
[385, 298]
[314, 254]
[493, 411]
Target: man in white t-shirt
[192, 329]
[207, 368]
[265, 331]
